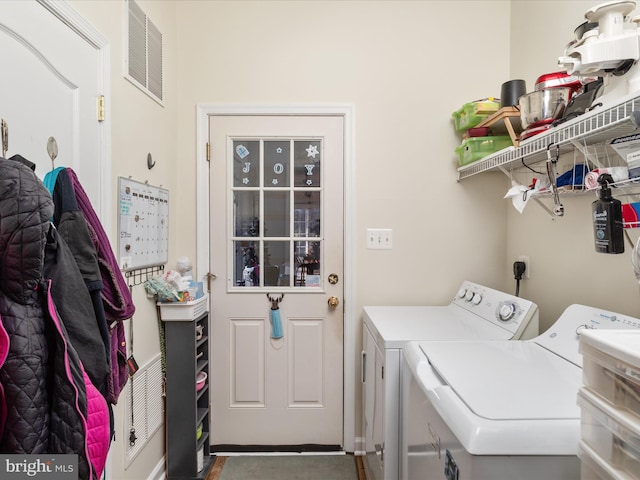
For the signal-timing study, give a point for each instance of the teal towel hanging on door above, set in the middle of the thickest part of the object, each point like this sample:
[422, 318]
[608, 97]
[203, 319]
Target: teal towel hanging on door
[274, 316]
[276, 324]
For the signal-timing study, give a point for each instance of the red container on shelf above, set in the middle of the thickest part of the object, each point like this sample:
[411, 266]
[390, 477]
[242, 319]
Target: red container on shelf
[479, 132]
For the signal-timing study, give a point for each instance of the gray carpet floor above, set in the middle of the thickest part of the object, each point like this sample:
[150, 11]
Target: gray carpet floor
[290, 467]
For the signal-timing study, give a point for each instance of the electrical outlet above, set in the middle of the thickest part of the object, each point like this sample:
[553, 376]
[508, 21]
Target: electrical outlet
[527, 262]
[379, 238]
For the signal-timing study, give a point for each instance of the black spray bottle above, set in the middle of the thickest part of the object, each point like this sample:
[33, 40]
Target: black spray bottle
[607, 219]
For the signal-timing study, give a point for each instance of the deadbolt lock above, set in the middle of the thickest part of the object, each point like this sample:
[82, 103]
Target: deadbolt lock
[333, 278]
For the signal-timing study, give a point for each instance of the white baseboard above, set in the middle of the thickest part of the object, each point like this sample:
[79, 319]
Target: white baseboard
[158, 472]
[359, 447]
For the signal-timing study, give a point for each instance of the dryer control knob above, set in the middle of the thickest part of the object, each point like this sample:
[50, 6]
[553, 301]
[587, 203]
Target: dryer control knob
[462, 292]
[477, 298]
[507, 311]
[469, 295]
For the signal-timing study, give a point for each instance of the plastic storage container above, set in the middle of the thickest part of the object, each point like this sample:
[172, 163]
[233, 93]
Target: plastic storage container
[614, 435]
[592, 467]
[611, 366]
[475, 148]
[200, 459]
[472, 113]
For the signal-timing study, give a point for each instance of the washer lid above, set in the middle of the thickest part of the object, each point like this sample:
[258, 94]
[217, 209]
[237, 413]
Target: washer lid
[507, 380]
[394, 326]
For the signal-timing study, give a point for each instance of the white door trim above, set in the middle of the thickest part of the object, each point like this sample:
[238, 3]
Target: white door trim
[203, 111]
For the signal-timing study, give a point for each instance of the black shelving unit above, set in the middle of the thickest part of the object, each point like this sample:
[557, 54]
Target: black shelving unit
[187, 354]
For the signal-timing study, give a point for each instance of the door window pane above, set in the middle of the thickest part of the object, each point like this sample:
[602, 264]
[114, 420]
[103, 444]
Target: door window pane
[277, 157]
[246, 163]
[276, 214]
[276, 263]
[246, 263]
[307, 156]
[246, 206]
[307, 213]
[307, 257]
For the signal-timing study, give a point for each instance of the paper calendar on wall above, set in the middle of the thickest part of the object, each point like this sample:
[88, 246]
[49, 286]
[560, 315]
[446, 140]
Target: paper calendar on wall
[143, 224]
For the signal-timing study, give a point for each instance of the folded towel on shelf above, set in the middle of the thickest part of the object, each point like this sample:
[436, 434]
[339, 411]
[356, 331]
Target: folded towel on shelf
[631, 215]
[618, 173]
[573, 177]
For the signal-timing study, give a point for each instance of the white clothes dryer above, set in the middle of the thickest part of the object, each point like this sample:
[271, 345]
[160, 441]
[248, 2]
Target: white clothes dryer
[498, 410]
[475, 312]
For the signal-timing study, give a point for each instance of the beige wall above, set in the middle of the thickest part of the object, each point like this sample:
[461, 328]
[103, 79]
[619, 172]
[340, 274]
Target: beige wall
[405, 67]
[565, 268]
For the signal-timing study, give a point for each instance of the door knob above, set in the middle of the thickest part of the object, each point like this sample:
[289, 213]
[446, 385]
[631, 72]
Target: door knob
[333, 302]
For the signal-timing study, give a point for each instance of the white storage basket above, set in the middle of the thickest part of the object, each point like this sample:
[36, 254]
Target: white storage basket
[183, 311]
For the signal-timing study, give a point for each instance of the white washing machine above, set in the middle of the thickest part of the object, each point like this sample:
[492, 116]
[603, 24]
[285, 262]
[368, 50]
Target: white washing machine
[476, 312]
[498, 410]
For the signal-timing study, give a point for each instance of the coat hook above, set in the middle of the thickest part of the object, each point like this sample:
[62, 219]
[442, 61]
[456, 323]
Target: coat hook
[5, 137]
[150, 162]
[52, 150]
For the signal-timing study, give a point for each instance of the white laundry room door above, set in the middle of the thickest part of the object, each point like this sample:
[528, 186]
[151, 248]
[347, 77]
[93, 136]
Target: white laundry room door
[53, 76]
[276, 223]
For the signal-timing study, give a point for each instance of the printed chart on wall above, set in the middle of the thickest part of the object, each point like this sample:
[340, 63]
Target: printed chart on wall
[143, 223]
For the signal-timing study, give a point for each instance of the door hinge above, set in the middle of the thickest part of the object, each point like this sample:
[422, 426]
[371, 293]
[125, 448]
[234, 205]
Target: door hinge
[101, 108]
[208, 152]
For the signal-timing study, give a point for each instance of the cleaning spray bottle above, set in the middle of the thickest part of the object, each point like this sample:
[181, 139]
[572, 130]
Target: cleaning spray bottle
[607, 219]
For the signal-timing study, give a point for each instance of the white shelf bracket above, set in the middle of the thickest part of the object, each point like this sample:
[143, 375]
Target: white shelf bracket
[546, 209]
[582, 148]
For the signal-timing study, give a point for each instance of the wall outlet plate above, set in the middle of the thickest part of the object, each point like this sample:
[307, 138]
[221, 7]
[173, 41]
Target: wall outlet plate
[527, 262]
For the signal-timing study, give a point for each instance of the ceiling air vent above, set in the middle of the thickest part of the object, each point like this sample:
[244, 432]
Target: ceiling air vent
[144, 58]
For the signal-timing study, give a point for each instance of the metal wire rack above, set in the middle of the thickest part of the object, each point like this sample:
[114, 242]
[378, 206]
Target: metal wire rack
[595, 127]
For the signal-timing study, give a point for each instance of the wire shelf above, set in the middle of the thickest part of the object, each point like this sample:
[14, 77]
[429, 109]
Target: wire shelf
[597, 126]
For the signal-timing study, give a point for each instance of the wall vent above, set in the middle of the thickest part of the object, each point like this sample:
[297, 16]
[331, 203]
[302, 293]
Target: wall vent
[144, 65]
[143, 397]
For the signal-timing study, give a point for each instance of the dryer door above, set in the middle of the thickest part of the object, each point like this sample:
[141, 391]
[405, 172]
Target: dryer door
[373, 405]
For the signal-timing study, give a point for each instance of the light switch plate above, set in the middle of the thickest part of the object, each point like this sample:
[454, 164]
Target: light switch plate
[380, 238]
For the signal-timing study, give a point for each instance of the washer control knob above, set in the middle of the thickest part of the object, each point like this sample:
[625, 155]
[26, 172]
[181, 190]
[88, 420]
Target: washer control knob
[469, 295]
[462, 292]
[506, 311]
[477, 298]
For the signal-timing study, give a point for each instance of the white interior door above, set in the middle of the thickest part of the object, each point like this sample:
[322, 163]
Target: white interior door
[276, 223]
[52, 79]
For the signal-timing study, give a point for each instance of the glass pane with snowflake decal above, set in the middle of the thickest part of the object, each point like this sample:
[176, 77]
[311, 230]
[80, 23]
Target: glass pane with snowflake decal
[307, 155]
